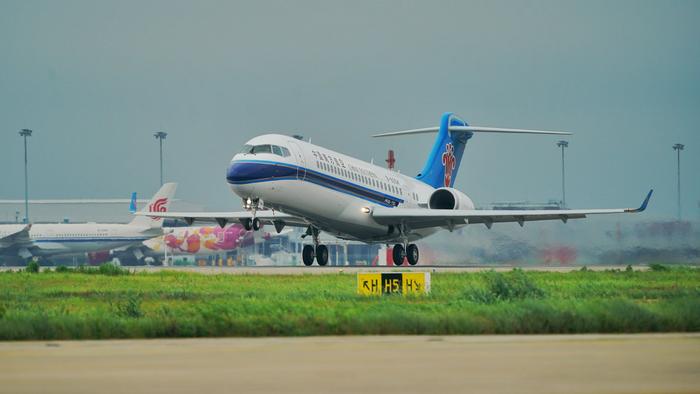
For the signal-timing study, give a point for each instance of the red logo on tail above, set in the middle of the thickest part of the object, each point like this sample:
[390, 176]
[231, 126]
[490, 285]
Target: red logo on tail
[449, 162]
[160, 205]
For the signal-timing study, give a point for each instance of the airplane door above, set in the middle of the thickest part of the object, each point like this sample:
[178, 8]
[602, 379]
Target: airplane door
[301, 162]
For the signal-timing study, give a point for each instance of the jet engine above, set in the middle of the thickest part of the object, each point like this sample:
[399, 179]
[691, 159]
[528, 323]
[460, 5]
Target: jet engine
[449, 198]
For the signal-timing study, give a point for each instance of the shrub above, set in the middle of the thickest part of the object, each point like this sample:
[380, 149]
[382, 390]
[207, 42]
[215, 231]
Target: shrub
[481, 296]
[513, 286]
[659, 267]
[104, 269]
[112, 269]
[131, 307]
[32, 267]
[62, 268]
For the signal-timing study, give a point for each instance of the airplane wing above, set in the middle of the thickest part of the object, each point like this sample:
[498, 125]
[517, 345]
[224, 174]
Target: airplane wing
[418, 218]
[17, 239]
[222, 218]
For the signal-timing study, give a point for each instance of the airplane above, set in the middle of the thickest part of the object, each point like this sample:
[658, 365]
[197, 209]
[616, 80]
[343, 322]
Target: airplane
[203, 240]
[285, 181]
[69, 239]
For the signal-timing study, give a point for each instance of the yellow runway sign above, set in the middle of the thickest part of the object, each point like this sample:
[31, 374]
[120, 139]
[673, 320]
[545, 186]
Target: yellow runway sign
[393, 283]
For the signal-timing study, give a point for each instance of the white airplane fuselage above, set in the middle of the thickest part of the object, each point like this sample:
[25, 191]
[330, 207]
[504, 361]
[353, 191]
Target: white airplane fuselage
[80, 238]
[333, 191]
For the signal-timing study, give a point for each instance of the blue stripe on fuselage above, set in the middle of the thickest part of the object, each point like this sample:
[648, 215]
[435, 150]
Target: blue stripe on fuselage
[258, 171]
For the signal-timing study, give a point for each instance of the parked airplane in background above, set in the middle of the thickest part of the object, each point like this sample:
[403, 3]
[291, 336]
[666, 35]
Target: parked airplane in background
[204, 240]
[52, 240]
[289, 182]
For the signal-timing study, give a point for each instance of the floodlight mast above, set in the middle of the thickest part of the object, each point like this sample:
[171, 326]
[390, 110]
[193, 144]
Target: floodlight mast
[26, 133]
[160, 136]
[678, 148]
[563, 144]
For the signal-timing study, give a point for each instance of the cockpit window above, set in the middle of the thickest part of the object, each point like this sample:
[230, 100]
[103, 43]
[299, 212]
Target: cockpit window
[274, 149]
[262, 149]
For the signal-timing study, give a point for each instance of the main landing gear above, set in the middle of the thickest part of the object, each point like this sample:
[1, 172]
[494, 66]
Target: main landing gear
[316, 251]
[410, 253]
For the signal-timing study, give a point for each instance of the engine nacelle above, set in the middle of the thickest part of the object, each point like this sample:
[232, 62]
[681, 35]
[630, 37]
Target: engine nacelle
[449, 198]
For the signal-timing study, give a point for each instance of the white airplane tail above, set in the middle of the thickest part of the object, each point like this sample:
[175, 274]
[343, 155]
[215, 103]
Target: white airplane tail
[159, 203]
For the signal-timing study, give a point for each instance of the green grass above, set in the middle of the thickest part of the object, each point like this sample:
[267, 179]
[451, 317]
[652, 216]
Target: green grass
[109, 303]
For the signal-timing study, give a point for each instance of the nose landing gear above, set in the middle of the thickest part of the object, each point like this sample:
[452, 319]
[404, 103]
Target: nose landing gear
[252, 224]
[252, 205]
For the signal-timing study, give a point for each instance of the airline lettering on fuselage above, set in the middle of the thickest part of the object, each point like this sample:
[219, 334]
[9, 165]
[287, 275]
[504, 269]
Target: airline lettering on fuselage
[160, 205]
[449, 162]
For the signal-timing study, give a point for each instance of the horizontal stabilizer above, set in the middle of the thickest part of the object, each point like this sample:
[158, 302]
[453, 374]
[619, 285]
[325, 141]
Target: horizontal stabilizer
[471, 129]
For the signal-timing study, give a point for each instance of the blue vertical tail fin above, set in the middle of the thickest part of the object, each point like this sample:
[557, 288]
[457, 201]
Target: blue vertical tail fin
[132, 203]
[441, 168]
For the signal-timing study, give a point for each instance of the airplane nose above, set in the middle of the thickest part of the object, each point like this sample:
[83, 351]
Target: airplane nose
[245, 172]
[242, 172]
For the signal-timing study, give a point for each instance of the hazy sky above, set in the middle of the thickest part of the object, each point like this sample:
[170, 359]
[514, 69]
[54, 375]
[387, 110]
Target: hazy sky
[95, 79]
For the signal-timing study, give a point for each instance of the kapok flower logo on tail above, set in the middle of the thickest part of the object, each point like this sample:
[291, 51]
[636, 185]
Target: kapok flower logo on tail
[449, 162]
[160, 205]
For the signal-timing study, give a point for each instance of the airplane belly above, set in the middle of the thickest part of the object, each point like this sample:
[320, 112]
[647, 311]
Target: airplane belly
[330, 210]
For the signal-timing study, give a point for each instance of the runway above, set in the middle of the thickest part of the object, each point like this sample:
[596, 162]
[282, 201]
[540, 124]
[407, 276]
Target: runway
[329, 270]
[645, 363]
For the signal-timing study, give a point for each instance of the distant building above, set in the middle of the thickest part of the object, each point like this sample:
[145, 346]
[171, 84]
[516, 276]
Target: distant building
[107, 210]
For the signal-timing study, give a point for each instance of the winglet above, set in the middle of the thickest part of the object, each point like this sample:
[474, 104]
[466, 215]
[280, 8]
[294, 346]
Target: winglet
[644, 203]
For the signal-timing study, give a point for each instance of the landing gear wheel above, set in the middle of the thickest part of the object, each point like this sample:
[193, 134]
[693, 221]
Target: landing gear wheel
[248, 224]
[398, 254]
[412, 254]
[256, 224]
[307, 254]
[322, 255]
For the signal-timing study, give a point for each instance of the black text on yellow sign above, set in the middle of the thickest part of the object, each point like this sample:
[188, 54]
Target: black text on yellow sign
[393, 283]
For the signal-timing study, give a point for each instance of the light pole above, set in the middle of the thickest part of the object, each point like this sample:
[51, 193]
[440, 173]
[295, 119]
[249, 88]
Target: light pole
[678, 148]
[26, 133]
[160, 136]
[563, 144]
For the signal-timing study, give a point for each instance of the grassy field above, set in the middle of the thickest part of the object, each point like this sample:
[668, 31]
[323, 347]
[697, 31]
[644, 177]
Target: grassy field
[110, 304]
